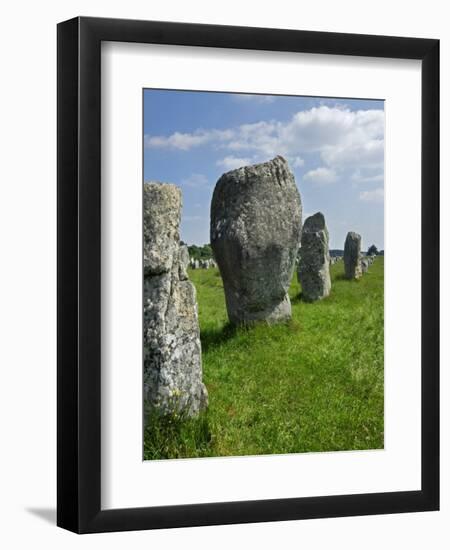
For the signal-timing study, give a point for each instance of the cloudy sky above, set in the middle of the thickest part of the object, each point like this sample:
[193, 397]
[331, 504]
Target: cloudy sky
[335, 147]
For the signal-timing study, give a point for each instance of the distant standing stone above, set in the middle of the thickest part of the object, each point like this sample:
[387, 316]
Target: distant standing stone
[314, 267]
[256, 220]
[172, 350]
[352, 256]
[365, 262]
[184, 262]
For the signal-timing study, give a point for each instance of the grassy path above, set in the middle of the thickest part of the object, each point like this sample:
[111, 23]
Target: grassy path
[315, 384]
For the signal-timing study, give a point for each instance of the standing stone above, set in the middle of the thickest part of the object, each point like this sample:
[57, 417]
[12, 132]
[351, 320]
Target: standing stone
[365, 265]
[314, 267]
[352, 256]
[184, 262]
[172, 350]
[256, 221]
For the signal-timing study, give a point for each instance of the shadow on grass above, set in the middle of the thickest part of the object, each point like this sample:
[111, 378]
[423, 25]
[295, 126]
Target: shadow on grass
[212, 338]
[298, 298]
[342, 277]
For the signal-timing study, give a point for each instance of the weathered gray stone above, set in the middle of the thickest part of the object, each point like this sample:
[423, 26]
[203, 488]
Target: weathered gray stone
[184, 262]
[256, 217]
[161, 227]
[352, 256]
[365, 262]
[172, 350]
[314, 267]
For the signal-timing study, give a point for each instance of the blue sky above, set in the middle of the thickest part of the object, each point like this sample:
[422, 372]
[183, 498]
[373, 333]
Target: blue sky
[335, 148]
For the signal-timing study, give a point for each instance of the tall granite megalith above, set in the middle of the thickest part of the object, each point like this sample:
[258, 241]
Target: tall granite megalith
[314, 266]
[256, 221]
[172, 350]
[352, 256]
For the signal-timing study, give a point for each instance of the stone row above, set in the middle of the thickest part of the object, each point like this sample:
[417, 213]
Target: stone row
[257, 238]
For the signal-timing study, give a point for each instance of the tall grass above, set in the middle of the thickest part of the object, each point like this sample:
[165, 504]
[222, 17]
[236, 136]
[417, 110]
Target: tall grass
[313, 384]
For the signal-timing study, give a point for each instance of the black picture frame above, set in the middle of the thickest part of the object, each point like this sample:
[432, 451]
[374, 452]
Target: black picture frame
[79, 281]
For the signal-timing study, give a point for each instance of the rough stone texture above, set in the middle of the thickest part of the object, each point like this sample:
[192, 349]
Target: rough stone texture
[352, 256]
[314, 267]
[184, 262]
[162, 208]
[256, 221]
[172, 350]
[365, 262]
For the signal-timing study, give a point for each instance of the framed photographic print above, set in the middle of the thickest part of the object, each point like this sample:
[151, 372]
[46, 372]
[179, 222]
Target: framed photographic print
[248, 288]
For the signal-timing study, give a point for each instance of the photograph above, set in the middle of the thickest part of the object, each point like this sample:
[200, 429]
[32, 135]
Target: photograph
[234, 344]
[263, 274]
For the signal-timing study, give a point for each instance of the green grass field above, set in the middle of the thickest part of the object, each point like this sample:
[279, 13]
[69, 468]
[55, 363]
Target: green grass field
[314, 384]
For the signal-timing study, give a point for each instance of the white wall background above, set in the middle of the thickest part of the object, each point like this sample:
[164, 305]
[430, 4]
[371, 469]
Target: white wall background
[28, 271]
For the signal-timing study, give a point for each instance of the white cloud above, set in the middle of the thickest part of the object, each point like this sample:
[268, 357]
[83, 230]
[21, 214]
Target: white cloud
[345, 140]
[326, 129]
[261, 137]
[296, 162]
[231, 162]
[367, 176]
[320, 176]
[368, 152]
[176, 141]
[257, 98]
[195, 181]
[377, 195]
[186, 141]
